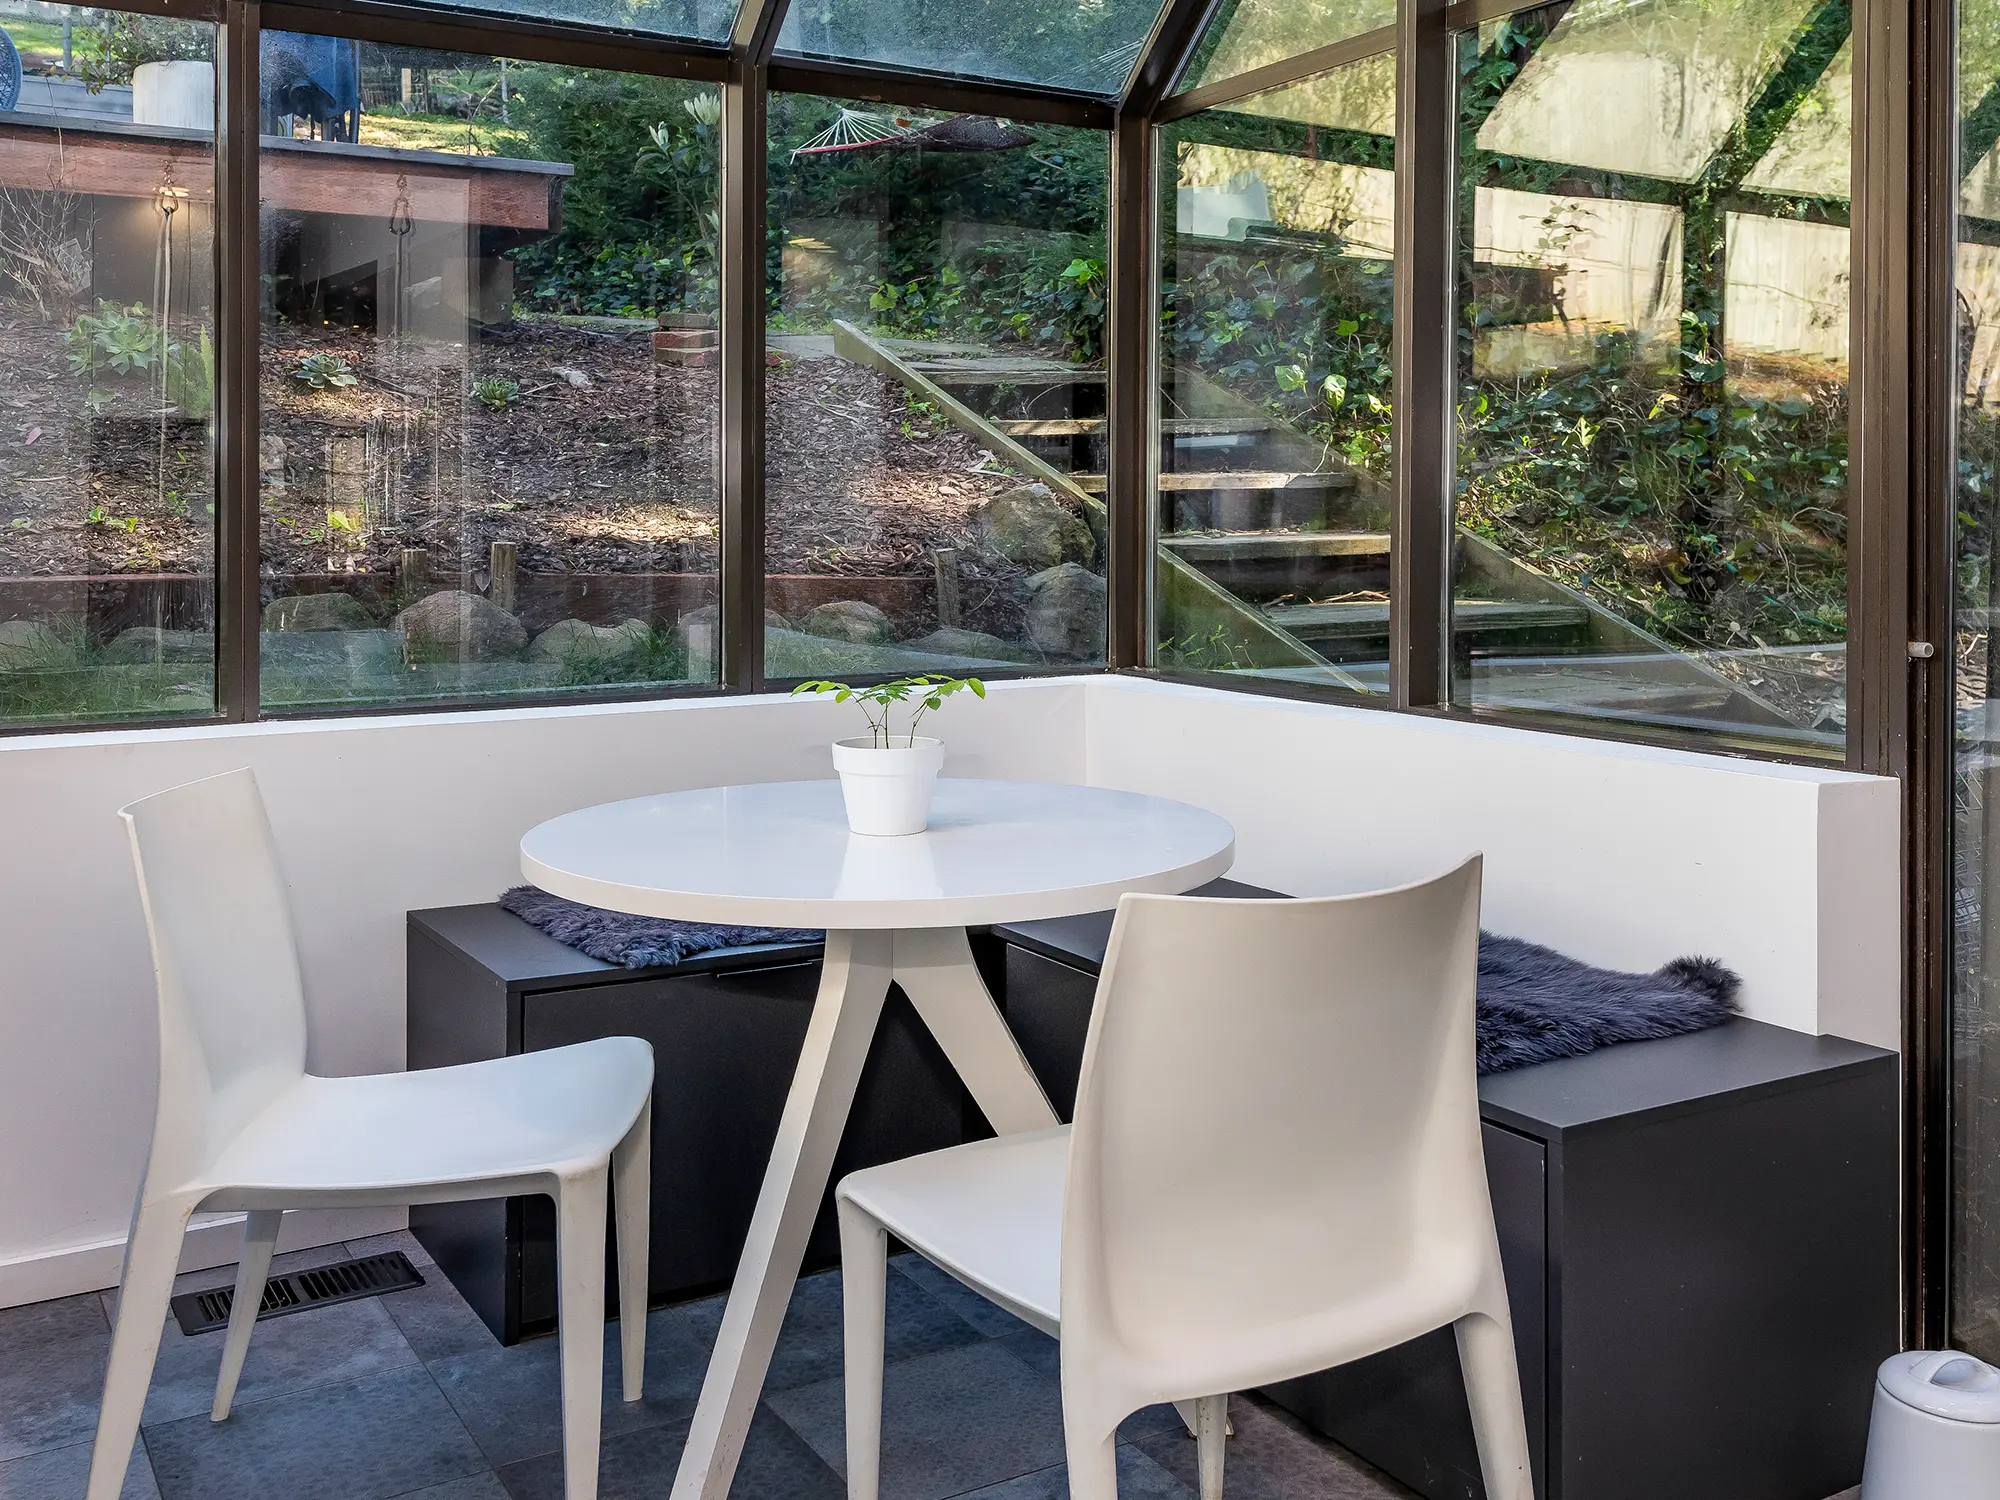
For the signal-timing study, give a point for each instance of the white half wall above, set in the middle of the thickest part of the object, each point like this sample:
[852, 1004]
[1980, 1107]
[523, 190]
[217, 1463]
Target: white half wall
[373, 817]
[1623, 855]
[1619, 854]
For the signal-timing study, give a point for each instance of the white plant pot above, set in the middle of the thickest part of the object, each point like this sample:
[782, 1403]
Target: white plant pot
[888, 791]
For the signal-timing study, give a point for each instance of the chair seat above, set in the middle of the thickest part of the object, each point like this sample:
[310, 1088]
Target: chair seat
[538, 1112]
[989, 1212]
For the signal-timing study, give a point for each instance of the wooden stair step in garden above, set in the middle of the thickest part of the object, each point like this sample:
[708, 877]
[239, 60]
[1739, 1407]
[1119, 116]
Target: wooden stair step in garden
[1232, 479]
[1005, 370]
[1345, 618]
[1050, 427]
[1260, 546]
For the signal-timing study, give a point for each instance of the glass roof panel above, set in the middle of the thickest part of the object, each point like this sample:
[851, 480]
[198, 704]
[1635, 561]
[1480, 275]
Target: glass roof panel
[1810, 157]
[694, 20]
[1253, 33]
[1652, 88]
[1080, 46]
[1360, 96]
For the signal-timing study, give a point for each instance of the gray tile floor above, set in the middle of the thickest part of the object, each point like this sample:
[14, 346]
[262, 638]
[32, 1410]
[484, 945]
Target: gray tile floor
[408, 1395]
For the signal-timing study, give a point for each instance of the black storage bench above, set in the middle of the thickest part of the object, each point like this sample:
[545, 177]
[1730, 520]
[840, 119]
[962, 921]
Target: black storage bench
[726, 1029]
[1700, 1243]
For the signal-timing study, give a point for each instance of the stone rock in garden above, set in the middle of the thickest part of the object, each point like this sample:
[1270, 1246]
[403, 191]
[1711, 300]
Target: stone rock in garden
[950, 641]
[462, 627]
[611, 645]
[23, 641]
[849, 620]
[333, 611]
[1065, 612]
[1027, 526]
[149, 643]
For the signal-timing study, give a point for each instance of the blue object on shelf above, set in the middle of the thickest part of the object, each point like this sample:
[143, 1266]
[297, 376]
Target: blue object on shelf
[314, 79]
[10, 73]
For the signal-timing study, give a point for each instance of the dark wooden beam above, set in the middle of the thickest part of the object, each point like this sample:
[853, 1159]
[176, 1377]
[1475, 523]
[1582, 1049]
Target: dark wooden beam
[850, 80]
[480, 34]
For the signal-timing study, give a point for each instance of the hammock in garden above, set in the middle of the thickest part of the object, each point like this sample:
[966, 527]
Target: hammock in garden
[856, 130]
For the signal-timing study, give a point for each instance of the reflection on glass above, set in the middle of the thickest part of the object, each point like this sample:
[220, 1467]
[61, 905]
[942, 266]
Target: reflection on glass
[1088, 46]
[489, 390]
[1975, 1147]
[934, 393]
[1652, 368]
[1273, 489]
[107, 368]
[1251, 34]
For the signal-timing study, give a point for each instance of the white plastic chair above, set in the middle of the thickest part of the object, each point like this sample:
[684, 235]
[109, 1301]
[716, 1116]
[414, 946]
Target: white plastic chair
[1275, 1168]
[241, 1125]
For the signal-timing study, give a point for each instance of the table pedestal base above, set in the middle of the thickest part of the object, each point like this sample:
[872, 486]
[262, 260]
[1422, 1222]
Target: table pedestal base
[934, 966]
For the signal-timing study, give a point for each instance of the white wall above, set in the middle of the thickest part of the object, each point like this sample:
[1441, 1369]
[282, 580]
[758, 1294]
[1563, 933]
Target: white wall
[1622, 855]
[373, 817]
[1618, 854]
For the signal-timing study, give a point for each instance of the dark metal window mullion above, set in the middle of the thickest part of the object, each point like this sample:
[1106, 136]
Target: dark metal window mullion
[1423, 377]
[1901, 504]
[745, 95]
[238, 490]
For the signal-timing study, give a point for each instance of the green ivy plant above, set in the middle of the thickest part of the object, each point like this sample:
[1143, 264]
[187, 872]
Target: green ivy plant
[879, 700]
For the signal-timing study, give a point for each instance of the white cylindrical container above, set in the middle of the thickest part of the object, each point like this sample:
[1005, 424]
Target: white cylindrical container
[1935, 1431]
[888, 791]
[179, 95]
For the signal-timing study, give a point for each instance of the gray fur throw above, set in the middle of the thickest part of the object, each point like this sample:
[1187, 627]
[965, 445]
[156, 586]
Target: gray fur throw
[613, 937]
[1535, 1004]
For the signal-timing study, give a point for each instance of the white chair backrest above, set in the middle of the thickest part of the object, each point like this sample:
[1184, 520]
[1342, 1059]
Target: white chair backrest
[232, 1010]
[1278, 1112]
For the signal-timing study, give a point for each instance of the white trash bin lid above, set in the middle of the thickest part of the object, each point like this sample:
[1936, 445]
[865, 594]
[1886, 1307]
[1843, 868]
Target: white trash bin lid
[1944, 1383]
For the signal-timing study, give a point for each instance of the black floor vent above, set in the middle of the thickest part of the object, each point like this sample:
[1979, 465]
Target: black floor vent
[300, 1291]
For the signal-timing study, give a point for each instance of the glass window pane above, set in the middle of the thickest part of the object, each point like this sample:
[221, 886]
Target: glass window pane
[1652, 89]
[1085, 46]
[107, 368]
[1273, 491]
[1652, 375]
[934, 393]
[488, 374]
[1255, 33]
[1975, 1038]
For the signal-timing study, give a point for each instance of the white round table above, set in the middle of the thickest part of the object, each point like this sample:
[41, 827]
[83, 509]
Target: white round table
[894, 910]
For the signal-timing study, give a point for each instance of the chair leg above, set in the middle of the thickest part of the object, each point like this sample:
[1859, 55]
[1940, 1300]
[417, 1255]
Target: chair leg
[1210, 1431]
[632, 1194]
[1093, 1463]
[1493, 1386]
[260, 1238]
[864, 1273]
[152, 1256]
[580, 1324]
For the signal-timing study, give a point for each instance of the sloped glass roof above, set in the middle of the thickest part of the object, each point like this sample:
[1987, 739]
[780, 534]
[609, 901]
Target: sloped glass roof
[1651, 88]
[694, 20]
[1812, 154]
[1360, 96]
[1082, 46]
[1254, 33]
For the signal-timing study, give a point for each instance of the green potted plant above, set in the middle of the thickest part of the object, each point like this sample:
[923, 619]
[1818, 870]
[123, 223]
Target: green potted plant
[887, 775]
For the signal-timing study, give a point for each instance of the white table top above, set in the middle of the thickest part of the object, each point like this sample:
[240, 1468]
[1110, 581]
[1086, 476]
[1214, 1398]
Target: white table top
[779, 855]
